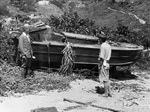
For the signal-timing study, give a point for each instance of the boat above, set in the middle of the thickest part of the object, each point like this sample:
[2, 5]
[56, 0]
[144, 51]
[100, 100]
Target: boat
[48, 45]
[48, 48]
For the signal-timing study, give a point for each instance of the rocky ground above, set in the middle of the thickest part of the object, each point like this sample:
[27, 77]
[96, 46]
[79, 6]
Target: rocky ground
[129, 95]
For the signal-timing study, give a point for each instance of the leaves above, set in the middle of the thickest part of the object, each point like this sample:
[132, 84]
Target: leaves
[71, 22]
[6, 46]
[67, 60]
[24, 5]
[12, 82]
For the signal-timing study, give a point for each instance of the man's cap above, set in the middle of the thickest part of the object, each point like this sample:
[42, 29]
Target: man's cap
[101, 36]
[26, 27]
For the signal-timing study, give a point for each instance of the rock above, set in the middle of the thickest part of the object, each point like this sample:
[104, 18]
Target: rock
[43, 2]
[45, 109]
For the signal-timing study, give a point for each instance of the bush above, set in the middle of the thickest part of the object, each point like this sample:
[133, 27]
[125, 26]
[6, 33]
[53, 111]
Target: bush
[143, 61]
[71, 22]
[24, 5]
[12, 82]
[3, 10]
[6, 47]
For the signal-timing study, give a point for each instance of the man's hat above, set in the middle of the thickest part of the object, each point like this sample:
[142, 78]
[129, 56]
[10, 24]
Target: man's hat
[101, 36]
[26, 27]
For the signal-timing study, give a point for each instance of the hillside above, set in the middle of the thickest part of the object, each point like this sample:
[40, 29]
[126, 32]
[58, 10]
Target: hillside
[135, 14]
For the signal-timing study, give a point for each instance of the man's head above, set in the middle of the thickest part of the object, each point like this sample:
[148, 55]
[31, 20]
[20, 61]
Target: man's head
[102, 38]
[26, 28]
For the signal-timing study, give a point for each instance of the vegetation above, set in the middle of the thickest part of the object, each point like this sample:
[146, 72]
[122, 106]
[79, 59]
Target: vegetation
[24, 5]
[143, 61]
[68, 59]
[3, 10]
[71, 22]
[6, 47]
[12, 82]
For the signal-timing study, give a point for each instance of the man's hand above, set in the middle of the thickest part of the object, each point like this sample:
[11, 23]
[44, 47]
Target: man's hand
[33, 57]
[100, 61]
[24, 56]
[99, 66]
[23, 61]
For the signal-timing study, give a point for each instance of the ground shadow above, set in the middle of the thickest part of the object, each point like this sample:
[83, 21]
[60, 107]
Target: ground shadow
[122, 74]
[99, 90]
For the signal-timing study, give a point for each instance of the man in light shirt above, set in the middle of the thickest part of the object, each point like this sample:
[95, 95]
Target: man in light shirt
[104, 57]
[25, 49]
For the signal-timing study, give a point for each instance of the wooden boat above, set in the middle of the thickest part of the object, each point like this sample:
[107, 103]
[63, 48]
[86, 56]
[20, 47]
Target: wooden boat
[48, 48]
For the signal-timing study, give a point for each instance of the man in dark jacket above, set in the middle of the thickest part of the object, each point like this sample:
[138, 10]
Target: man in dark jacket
[26, 50]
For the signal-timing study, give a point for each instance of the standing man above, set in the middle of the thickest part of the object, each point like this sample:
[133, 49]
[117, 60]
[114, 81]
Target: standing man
[104, 57]
[25, 49]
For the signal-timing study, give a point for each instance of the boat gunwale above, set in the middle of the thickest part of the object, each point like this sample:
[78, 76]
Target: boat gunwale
[111, 64]
[80, 36]
[92, 46]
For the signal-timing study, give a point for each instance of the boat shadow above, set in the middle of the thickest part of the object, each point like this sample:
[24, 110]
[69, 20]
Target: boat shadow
[117, 75]
[122, 75]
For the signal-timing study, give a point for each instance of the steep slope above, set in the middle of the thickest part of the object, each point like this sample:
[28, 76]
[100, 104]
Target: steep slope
[134, 15]
[49, 9]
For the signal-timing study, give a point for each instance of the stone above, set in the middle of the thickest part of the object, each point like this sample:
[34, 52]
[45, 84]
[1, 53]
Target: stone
[45, 109]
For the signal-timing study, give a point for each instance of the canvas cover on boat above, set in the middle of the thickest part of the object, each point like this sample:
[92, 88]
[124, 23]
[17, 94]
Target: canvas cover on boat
[42, 33]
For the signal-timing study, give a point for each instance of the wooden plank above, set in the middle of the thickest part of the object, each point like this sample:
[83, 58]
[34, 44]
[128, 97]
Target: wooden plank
[82, 103]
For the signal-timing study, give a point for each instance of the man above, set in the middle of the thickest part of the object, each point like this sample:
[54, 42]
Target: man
[25, 49]
[104, 57]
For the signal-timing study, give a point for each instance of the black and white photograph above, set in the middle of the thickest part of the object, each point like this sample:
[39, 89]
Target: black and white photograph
[74, 55]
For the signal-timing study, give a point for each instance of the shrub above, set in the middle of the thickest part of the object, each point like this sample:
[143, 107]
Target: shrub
[12, 82]
[3, 10]
[24, 5]
[71, 22]
[6, 47]
[143, 61]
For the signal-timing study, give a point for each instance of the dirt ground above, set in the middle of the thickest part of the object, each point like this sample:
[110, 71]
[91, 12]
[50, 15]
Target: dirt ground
[129, 95]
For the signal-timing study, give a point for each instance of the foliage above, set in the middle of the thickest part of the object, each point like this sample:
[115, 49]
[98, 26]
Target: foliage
[12, 82]
[139, 38]
[6, 47]
[24, 5]
[3, 10]
[71, 22]
[143, 61]
[67, 60]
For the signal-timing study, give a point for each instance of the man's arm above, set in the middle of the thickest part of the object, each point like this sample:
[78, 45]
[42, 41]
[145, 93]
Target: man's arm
[101, 56]
[100, 62]
[21, 45]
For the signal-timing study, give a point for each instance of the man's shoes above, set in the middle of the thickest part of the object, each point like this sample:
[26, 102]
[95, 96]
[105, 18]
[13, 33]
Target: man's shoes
[106, 95]
[31, 74]
[99, 90]
[109, 95]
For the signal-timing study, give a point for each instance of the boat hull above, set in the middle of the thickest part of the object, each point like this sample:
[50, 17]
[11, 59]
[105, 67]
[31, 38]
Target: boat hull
[51, 52]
